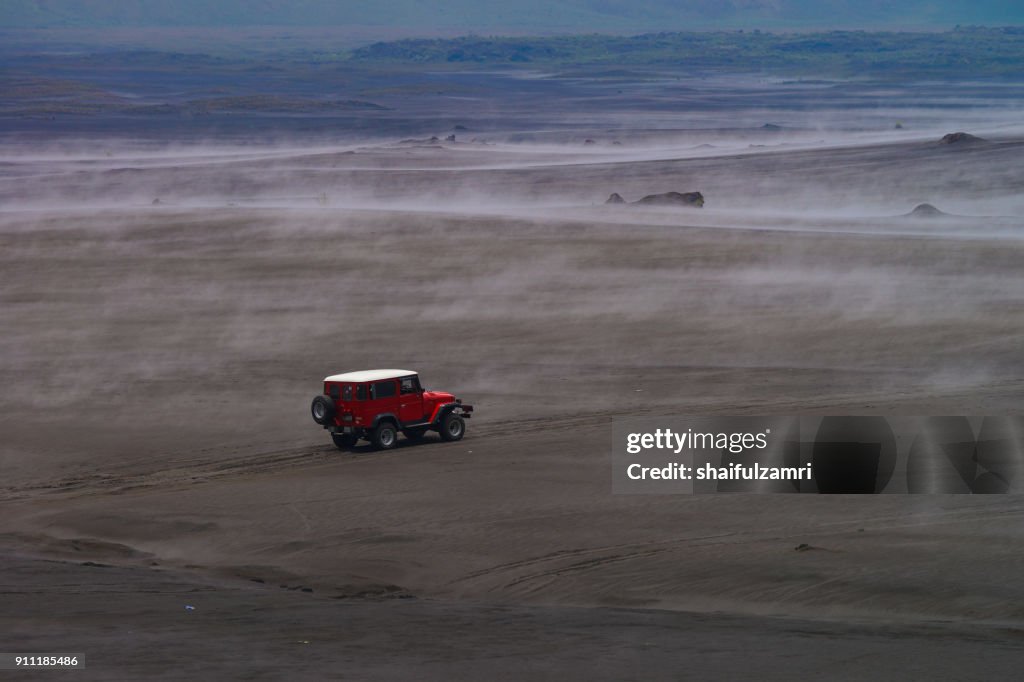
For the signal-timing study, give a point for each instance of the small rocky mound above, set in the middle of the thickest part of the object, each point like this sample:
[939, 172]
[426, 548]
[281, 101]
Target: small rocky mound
[961, 139]
[589, 142]
[433, 139]
[673, 199]
[926, 211]
[691, 199]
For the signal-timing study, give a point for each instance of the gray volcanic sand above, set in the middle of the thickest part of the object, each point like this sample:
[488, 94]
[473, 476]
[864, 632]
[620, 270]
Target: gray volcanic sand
[158, 361]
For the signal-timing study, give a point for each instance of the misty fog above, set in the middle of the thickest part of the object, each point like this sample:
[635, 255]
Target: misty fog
[199, 273]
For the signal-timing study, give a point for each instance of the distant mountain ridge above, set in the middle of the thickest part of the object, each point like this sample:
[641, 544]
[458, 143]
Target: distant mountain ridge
[961, 52]
[546, 16]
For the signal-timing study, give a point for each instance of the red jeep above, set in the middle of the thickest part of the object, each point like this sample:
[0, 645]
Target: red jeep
[376, 404]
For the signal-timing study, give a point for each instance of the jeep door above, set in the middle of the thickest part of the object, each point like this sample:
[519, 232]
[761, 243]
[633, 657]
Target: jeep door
[410, 400]
[384, 398]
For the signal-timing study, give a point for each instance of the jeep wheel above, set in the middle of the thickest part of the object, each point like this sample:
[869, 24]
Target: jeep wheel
[416, 433]
[384, 437]
[344, 441]
[453, 427]
[322, 410]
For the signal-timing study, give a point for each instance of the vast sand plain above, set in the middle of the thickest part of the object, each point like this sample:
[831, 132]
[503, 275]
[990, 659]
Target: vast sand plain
[170, 310]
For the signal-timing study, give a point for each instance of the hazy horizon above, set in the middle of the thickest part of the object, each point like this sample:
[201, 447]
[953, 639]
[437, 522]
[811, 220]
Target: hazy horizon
[410, 17]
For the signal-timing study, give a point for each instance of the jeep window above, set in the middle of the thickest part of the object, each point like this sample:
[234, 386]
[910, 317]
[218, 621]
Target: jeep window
[360, 391]
[335, 391]
[346, 392]
[410, 385]
[383, 389]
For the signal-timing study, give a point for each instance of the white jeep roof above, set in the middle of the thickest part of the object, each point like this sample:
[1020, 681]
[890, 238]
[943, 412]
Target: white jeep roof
[370, 375]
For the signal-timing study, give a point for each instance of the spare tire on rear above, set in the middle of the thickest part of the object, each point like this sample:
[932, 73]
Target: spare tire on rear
[322, 409]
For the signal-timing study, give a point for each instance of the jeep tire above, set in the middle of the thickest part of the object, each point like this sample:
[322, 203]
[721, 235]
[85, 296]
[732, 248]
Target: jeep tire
[384, 437]
[344, 441]
[322, 410]
[453, 427]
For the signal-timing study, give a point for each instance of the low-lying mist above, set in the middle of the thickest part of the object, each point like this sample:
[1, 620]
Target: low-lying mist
[845, 177]
[168, 285]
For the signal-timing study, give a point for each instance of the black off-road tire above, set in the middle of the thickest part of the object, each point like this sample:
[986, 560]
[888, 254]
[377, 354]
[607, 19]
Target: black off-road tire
[384, 437]
[344, 441]
[453, 427]
[322, 409]
[416, 433]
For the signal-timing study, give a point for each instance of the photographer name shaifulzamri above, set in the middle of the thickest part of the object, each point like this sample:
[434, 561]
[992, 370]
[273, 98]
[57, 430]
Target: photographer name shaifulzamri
[735, 442]
[674, 471]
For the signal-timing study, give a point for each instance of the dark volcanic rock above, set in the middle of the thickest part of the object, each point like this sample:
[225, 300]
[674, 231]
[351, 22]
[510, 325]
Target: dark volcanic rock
[690, 199]
[433, 139]
[961, 139]
[926, 211]
[673, 199]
